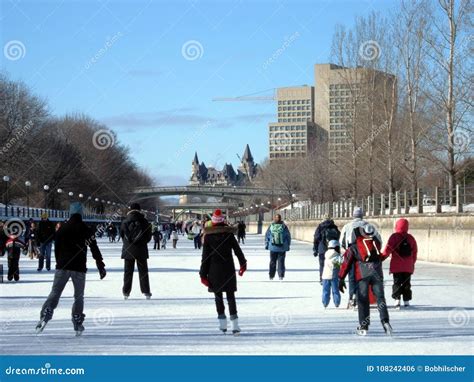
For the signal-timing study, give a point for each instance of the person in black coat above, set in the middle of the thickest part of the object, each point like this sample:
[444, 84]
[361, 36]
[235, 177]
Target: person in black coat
[218, 270]
[136, 233]
[46, 232]
[241, 231]
[70, 250]
[325, 232]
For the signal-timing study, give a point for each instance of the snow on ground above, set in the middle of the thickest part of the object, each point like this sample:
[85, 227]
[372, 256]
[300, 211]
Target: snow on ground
[276, 317]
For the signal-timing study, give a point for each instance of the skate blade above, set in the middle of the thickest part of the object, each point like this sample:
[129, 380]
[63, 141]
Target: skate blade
[39, 328]
[236, 334]
[79, 333]
[361, 333]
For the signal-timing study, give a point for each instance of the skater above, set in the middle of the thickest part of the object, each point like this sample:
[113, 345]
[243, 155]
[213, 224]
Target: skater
[14, 246]
[164, 239]
[3, 238]
[157, 237]
[346, 239]
[364, 254]
[332, 264]
[111, 232]
[174, 237]
[218, 270]
[403, 248]
[197, 230]
[46, 232]
[325, 232]
[241, 231]
[70, 251]
[31, 243]
[277, 240]
[135, 233]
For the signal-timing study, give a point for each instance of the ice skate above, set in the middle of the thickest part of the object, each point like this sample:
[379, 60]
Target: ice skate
[77, 320]
[126, 296]
[235, 327]
[397, 305]
[406, 304]
[223, 325]
[47, 315]
[387, 328]
[362, 330]
[148, 296]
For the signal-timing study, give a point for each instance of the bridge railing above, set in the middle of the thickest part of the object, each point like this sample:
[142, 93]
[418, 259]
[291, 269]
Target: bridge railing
[430, 201]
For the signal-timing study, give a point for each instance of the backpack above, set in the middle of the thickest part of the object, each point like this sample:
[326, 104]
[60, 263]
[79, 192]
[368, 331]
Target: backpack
[133, 232]
[367, 249]
[276, 231]
[404, 249]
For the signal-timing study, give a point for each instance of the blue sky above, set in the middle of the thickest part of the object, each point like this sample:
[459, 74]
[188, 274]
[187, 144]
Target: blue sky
[125, 63]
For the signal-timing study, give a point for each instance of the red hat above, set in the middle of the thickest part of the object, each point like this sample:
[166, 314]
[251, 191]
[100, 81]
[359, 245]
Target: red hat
[217, 217]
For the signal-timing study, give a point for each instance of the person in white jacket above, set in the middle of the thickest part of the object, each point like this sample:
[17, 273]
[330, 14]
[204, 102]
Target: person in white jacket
[346, 239]
[174, 237]
[332, 263]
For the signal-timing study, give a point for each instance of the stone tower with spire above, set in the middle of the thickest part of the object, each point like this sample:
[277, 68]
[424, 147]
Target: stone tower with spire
[247, 165]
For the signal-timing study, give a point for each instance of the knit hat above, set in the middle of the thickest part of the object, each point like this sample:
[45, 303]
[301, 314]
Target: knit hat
[217, 217]
[135, 206]
[358, 212]
[75, 208]
[333, 244]
[44, 215]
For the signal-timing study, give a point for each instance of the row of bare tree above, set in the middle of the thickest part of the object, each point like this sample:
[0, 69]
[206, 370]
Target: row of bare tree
[72, 153]
[411, 128]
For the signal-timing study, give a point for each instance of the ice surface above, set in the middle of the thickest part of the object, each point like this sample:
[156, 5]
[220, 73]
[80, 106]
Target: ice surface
[276, 317]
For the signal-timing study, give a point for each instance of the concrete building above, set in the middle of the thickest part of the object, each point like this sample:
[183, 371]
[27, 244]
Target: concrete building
[337, 90]
[295, 134]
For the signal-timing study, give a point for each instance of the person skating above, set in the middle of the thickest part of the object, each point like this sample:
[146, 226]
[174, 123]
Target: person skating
[197, 231]
[46, 232]
[164, 239]
[347, 238]
[218, 269]
[70, 251]
[330, 274]
[325, 232]
[136, 233]
[14, 246]
[174, 237]
[364, 254]
[157, 237]
[31, 241]
[278, 241]
[403, 248]
[241, 227]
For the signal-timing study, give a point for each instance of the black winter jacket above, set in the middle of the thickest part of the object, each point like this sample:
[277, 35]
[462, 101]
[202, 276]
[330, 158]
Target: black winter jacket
[139, 249]
[70, 248]
[217, 263]
[46, 231]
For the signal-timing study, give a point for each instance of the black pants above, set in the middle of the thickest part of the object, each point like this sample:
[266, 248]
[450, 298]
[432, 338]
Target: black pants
[142, 274]
[321, 266]
[230, 301]
[241, 237]
[13, 267]
[363, 298]
[157, 245]
[402, 286]
[277, 260]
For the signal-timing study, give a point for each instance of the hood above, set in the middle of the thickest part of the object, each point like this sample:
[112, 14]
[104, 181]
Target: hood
[401, 226]
[220, 229]
[134, 215]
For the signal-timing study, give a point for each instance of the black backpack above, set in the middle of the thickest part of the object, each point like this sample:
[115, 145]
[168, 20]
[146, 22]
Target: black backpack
[330, 233]
[133, 232]
[404, 249]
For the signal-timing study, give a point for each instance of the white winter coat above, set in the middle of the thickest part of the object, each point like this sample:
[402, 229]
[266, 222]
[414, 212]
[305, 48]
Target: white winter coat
[329, 258]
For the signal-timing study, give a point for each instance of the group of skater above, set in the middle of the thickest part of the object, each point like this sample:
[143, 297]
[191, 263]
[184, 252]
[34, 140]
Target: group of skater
[355, 251]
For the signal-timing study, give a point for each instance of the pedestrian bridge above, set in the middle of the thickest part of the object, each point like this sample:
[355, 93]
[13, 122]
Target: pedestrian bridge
[222, 191]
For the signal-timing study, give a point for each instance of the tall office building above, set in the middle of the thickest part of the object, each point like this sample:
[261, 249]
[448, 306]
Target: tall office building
[295, 134]
[337, 90]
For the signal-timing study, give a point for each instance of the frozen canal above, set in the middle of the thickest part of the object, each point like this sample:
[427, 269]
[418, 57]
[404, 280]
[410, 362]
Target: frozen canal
[276, 317]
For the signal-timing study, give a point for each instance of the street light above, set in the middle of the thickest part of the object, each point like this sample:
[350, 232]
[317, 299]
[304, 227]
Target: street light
[71, 194]
[81, 196]
[6, 179]
[27, 185]
[46, 190]
[59, 191]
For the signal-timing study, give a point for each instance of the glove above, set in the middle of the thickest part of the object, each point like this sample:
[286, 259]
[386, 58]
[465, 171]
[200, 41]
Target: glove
[205, 281]
[342, 285]
[242, 269]
[315, 253]
[102, 272]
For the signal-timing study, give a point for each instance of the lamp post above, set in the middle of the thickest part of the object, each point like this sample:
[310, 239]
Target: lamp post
[27, 185]
[71, 194]
[6, 179]
[46, 190]
[60, 192]
[96, 208]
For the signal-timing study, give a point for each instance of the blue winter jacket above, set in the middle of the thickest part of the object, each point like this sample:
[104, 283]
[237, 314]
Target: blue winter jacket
[286, 240]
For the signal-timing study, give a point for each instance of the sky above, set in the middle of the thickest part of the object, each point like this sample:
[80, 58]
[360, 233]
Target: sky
[149, 69]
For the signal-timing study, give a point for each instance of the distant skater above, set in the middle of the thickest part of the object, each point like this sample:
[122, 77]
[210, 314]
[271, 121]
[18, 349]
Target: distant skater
[277, 240]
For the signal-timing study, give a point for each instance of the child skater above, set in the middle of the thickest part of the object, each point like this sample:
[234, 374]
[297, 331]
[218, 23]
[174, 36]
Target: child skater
[332, 263]
[14, 246]
[218, 270]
